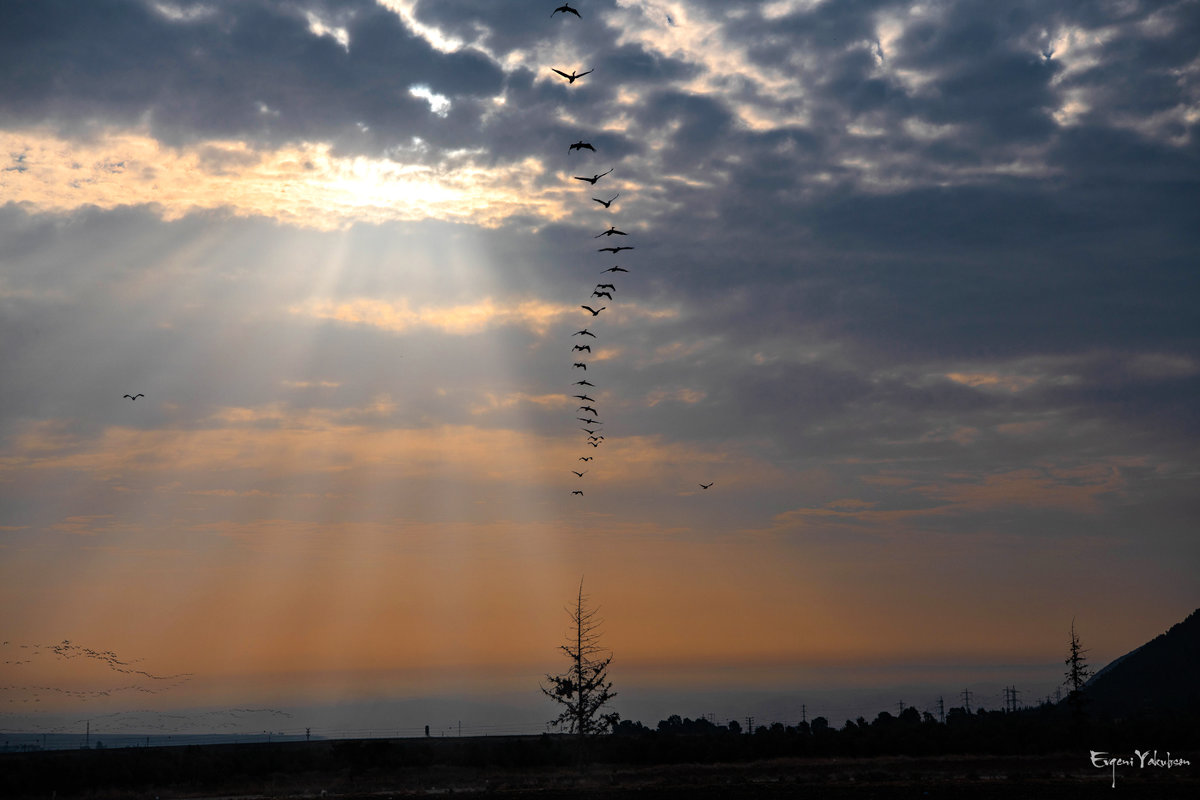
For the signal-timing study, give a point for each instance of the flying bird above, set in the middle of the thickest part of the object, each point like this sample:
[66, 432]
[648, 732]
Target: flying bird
[584, 332]
[606, 286]
[581, 145]
[566, 9]
[705, 485]
[592, 180]
[599, 293]
[593, 444]
[589, 421]
[583, 383]
[615, 269]
[580, 474]
[572, 77]
[611, 230]
[595, 311]
[585, 458]
[607, 203]
[585, 397]
[134, 397]
[587, 347]
[576, 492]
[589, 408]
[614, 249]
[588, 431]
[581, 365]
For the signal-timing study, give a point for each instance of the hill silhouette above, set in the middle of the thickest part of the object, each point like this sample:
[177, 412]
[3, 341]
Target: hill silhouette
[1154, 680]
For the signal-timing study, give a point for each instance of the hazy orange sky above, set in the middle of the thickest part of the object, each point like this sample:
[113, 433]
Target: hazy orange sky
[912, 287]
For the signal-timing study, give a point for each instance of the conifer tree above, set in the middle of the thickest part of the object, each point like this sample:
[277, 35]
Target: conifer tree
[584, 689]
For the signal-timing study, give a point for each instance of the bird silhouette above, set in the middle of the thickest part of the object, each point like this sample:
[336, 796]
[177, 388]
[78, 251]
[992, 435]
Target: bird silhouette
[595, 311]
[587, 347]
[706, 485]
[580, 474]
[606, 286]
[584, 332]
[572, 77]
[587, 430]
[611, 231]
[134, 397]
[614, 269]
[584, 383]
[584, 397]
[592, 180]
[585, 458]
[614, 249]
[581, 145]
[581, 365]
[576, 492]
[599, 293]
[566, 9]
[589, 408]
[594, 444]
[607, 203]
[589, 421]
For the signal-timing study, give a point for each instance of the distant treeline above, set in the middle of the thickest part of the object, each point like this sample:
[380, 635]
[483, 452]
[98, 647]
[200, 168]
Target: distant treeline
[1032, 731]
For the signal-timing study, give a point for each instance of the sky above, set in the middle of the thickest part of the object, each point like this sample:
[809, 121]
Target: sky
[912, 288]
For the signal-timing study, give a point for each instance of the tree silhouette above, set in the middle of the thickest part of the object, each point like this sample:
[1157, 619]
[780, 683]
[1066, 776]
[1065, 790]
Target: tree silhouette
[1077, 674]
[584, 689]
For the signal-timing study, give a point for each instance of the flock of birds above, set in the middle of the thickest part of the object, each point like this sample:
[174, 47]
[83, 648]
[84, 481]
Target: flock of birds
[18, 655]
[601, 291]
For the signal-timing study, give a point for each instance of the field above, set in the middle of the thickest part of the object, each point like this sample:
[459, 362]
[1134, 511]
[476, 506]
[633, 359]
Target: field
[381, 769]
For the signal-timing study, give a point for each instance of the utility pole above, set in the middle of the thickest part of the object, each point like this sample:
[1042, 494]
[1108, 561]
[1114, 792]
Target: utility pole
[942, 709]
[803, 713]
[749, 724]
[901, 706]
[967, 699]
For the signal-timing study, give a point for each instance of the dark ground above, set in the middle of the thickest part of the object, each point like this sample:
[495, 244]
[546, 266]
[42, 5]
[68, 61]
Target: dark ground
[380, 769]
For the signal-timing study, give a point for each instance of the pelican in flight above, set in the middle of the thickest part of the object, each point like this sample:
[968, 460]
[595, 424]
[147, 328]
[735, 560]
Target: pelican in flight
[595, 311]
[581, 365]
[566, 9]
[587, 430]
[607, 203]
[599, 293]
[606, 286]
[580, 474]
[592, 180]
[589, 408]
[581, 145]
[616, 269]
[576, 492]
[584, 383]
[135, 396]
[611, 230]
[587, 347]
[572, 77]
[705, 485]
[585, 458]
[585, 397]
[584, 332]
[614, 249]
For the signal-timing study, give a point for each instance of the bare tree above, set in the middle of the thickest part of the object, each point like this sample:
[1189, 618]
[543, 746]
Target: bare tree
[584, 689]
[1078, 672]
[1077, 675]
